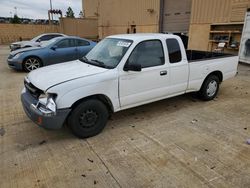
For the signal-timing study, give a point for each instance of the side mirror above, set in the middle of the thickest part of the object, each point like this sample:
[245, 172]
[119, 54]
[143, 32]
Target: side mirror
[39, 40]
[133, 67]
[54, 48]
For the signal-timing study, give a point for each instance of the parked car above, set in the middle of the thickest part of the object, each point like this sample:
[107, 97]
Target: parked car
[35, 41]
[121, 72]
[57, 50]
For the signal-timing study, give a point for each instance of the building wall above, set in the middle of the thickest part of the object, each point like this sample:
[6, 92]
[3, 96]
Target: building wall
[199, 37]
[90, 8]
[204, 13]
[13, 32]
[122, 16]
[117, 16]
[86, 28]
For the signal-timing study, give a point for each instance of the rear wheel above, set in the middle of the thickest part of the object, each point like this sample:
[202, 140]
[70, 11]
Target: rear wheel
[31, 64]
[88, 118]
[209, 88]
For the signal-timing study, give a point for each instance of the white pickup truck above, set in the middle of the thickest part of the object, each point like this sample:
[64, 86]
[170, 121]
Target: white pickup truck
[121, 72]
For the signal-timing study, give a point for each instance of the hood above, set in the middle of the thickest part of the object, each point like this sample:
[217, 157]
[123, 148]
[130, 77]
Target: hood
[20, 42]
[47, 77]
[24, 43]
[24, 50]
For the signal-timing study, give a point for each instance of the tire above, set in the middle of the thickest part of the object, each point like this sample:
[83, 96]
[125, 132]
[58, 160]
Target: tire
[31, 64]
[209, 88]
[88, 118]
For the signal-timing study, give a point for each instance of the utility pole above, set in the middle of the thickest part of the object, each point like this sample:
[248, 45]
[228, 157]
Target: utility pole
[51, 9]
[15, 10]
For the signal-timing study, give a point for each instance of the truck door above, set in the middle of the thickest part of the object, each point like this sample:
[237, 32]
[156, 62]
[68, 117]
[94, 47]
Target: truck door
[151, 82]
[179, 68]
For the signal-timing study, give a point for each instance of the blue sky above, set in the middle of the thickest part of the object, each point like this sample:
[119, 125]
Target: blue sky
[36, 9]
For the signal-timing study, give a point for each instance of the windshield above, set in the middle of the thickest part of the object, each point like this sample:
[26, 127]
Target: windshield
[109, 52]
[36, 38]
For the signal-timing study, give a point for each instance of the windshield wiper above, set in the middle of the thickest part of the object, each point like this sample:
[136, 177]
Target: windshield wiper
[94, 62]
[100, 63]
[84, 59]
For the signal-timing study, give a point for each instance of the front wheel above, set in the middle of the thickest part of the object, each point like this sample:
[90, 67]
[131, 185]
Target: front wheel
[88, 118]
[209, 88]
[31, 64]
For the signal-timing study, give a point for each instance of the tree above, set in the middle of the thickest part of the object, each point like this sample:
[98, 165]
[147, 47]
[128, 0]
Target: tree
[70, 13]
[15, 20]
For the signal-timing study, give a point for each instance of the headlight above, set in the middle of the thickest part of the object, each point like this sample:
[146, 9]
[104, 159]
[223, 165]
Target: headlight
[48, 101]
[17, 55]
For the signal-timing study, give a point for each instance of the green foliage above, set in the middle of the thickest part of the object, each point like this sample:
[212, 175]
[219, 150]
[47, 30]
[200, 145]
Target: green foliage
[70, 13]
[15, 20]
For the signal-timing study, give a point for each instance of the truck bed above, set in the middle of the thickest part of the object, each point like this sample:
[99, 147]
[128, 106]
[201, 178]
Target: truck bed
[195, 55]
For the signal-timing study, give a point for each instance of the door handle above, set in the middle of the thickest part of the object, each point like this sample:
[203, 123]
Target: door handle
[163, 73]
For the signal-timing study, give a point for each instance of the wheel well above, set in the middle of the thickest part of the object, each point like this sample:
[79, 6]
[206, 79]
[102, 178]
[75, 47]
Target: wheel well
[33, 57]
[100, 97]
[218, 74]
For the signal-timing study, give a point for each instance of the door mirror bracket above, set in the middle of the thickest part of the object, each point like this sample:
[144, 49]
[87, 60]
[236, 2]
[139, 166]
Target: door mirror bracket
[133, 67]
[54, 48]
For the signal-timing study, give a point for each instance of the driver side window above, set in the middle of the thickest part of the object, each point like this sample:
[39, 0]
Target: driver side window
[148, 54]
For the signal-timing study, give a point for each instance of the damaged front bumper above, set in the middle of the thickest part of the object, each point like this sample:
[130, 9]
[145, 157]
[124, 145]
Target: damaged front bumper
[41, 115]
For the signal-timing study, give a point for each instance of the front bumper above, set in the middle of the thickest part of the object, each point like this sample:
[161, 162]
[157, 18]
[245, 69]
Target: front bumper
[47, 122]
[15, 64]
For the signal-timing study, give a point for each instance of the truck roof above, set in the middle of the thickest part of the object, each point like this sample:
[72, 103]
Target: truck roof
[143, 36]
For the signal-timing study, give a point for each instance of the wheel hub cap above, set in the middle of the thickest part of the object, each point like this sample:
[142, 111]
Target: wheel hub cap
[212, 88]
[88, 119]
[32, 64]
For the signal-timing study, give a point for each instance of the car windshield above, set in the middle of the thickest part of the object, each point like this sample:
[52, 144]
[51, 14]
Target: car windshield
[108, 53]
[36, 38]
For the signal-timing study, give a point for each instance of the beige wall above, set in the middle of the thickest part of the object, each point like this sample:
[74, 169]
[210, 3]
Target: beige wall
[204, 13]
[112, 30]
[86, 28]
[218, 11]
[90, 8]
[13, 32]
[199, 37]
[116, 16]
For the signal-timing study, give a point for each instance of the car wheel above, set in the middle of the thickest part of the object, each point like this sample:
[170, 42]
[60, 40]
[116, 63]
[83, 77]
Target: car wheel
[210, 88]
[31, 64]
[88, 118]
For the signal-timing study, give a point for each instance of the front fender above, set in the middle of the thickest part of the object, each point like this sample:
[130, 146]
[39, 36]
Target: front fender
[107, 88]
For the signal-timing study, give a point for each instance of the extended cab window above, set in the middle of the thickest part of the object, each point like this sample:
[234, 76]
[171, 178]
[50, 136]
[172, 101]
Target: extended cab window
[174, 51]
[148, 54]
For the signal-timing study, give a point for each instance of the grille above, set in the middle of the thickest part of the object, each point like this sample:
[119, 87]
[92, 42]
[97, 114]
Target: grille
[33, 90]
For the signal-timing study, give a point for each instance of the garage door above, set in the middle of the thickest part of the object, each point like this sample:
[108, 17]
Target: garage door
[176, 16]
